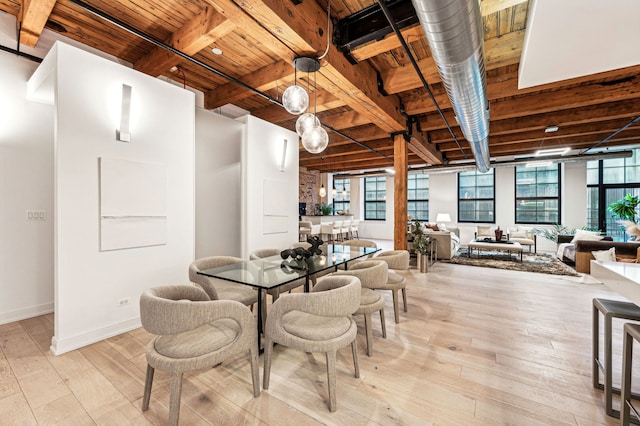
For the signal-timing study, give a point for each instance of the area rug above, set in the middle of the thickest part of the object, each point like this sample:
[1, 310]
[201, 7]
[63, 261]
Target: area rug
[541, 263]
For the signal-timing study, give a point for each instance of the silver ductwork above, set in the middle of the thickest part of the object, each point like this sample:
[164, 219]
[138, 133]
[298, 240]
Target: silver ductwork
[455, 34]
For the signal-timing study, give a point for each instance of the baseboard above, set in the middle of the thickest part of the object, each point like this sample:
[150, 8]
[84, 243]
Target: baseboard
[30, 312]
[60, 346]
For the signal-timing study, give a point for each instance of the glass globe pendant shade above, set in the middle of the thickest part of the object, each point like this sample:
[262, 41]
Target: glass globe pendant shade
[315, 140]
[295, 100]
[322, 192]
[305, 122]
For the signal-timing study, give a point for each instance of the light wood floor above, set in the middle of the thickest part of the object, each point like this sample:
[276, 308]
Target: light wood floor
[478, 346]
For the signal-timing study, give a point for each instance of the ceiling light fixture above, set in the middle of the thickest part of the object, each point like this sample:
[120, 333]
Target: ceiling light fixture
[216, 51]
[551, 129]
[322, 192]
[344, 192]
[334, 191]
[296, 100]
[552, 151]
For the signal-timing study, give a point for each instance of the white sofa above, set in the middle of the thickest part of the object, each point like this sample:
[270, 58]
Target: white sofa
[447, 243]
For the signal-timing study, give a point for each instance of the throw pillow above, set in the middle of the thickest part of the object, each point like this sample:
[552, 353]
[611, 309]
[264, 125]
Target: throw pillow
[433, 227]
[586, 235]
[486, 231]
[605, 255]
[517, 233]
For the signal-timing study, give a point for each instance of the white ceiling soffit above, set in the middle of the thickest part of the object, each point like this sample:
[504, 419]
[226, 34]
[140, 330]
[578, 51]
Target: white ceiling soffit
[572, 38]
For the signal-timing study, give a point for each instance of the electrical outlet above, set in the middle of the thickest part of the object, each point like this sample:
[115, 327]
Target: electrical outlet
[123, 302]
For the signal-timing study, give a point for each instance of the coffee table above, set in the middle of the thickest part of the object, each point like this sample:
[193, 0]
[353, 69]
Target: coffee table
[484, 244]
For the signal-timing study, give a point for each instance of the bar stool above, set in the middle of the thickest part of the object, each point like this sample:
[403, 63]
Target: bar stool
[610, 309]
[631, 332]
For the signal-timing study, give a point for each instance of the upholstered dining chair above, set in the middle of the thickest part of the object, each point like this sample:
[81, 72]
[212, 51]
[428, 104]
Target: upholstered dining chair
[360, 243]
[353, 231]
[319, 321]
[397, 260]
[275, 292]
[193, 332]
[218, 289]
[372, 274]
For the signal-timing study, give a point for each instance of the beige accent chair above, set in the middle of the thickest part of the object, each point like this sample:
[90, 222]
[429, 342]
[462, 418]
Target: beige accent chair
[218, 289]
[193, 333]
[524, 236]
[319, 321]
[275, 292]
[372, 274]
[397, 260]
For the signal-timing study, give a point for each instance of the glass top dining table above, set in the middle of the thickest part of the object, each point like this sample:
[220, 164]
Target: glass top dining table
[274, 271]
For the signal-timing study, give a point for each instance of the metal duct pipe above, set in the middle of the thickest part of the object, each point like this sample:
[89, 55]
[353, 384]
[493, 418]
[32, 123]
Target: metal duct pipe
[454, 31]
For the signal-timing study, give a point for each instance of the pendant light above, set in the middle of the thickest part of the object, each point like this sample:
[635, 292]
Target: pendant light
[322, 192]
[314, 137]
[344, 192]
[334, 192]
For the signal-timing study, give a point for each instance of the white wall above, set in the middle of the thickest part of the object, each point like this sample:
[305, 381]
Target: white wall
[377, 229]
[90, 284]
[218, 185]
[270, 218]
[26, 183]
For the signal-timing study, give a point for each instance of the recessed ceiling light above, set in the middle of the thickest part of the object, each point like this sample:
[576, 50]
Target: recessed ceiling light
[551, 129]
[216, 51]
[173, 69]
[552, 151]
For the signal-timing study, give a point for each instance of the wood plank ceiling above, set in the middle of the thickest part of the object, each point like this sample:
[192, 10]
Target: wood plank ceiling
[260, 38]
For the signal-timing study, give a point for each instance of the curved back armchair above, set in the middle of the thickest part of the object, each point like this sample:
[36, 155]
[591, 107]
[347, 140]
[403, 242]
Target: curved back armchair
[397, 260]
[372, 274]
[275, 292]
[319, 321]
[193, 333]
[220, 289]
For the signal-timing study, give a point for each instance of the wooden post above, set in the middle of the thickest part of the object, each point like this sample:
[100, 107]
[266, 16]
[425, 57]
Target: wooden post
[400, 164]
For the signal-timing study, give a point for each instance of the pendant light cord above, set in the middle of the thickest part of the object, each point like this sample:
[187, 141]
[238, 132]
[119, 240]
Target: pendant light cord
[328, 30]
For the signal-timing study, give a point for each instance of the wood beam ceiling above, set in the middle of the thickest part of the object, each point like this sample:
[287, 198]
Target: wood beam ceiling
[195, 35]
[32, 19]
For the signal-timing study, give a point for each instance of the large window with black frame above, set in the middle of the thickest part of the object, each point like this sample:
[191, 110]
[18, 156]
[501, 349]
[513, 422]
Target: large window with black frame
[341, 202]
[608, 181]
[537, 194]
[476, 197]
[418, 196]
[375, 196]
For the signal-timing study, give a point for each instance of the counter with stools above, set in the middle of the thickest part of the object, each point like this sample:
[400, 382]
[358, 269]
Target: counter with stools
[609, 309]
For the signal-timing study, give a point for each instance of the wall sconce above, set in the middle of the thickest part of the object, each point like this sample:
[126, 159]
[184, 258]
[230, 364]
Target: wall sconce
[322, 192]
[284, 155]
[123, 134]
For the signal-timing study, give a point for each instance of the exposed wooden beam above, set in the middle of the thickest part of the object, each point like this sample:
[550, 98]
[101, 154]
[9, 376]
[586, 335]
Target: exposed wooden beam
[541, 102]
[423, 149]
[208, 26]
[302, 28]
[266, 78]
[415, 32]
[345, 120]
[499, 52]
[400, 166]
[277, 114]
[33, 17]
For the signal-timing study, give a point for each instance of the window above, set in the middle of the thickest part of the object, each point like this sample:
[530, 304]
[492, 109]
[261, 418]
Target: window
[341, 201]
[375, 194]
[476, 200]
[609, 181]
[418, 196]
[538, 194]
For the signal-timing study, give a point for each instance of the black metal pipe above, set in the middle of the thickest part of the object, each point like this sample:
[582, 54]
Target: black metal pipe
[631, 123]
[19, 53]
[189, 58]
[392, 22]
